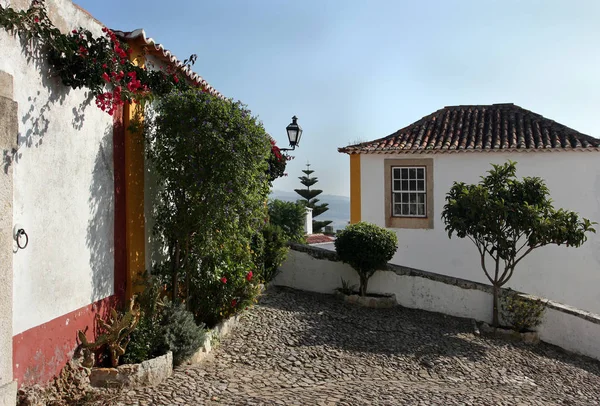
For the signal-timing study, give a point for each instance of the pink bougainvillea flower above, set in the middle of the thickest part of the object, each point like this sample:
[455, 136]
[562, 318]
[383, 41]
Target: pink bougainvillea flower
[249, 276]
[224, 279]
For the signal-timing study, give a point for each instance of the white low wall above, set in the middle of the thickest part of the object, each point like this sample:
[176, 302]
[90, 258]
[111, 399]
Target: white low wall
[318, 270]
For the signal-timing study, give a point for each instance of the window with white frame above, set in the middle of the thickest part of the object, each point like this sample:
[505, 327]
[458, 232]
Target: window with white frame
[409, 191]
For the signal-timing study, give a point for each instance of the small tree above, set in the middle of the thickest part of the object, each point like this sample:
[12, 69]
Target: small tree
[506, 219]
[310, 198]
[367, 248]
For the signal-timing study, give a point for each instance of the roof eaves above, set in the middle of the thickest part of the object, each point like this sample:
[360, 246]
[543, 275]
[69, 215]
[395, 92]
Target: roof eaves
[166, 55]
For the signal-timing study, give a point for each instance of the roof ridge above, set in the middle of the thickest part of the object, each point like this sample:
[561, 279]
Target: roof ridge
[498, 126]
[481, 105]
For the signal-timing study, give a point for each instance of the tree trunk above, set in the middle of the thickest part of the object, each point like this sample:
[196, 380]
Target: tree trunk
[364, 281]
[495, 322]
[187, 273]
[175, 274]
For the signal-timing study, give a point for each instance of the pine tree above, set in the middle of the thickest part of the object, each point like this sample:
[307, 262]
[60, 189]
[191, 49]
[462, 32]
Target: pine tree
[310, 199]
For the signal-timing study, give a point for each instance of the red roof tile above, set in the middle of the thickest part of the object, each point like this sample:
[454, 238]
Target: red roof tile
[496, 127]
[318, 239]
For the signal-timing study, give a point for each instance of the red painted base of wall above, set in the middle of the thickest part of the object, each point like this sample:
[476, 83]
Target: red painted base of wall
[41, 352]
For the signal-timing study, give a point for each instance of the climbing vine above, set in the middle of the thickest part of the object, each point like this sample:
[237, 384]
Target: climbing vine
[101, 64]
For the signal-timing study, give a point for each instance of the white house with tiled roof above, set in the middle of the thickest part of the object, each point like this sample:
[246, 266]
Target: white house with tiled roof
[400, 182]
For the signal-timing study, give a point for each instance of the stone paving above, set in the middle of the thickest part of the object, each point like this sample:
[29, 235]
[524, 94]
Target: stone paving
[298, 348]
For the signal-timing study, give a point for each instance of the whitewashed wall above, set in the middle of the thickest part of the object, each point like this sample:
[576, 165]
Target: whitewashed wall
[565, 326]
[566, 275]
[63, 185]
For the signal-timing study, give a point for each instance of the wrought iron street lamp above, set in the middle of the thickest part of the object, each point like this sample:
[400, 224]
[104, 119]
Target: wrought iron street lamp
[294, 132]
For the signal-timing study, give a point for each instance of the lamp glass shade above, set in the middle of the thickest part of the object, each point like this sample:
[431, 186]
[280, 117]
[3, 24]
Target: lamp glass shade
[294, 132]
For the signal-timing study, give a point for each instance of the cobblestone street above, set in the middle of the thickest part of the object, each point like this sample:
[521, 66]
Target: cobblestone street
[298, 348]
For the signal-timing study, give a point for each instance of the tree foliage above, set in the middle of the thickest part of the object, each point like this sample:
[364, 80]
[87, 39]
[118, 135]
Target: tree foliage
[290, 217]
[507, 218]
[211, 159]
[367, 248]
[274, 252]
[309, 195]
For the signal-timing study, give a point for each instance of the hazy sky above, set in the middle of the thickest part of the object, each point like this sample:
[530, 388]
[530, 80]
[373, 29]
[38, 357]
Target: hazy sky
[359, 70]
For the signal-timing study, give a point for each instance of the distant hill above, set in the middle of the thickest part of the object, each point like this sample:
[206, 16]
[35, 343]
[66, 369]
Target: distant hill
[339, 206]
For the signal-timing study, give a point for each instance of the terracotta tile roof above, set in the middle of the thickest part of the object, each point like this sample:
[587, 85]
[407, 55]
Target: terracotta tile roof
[318, 239]
[489, 128]
[167, 56]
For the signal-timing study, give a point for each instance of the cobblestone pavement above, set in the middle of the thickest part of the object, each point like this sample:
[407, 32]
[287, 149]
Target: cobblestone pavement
[298, 348]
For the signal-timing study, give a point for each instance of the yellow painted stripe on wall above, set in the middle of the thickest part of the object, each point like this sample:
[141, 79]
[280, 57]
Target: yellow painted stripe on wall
[134, 191]
[355, 204]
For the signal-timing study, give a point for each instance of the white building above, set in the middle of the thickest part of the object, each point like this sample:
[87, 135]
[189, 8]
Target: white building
[400, 182]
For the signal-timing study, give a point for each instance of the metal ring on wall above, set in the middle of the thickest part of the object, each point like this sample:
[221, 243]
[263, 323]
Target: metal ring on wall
[21, 232]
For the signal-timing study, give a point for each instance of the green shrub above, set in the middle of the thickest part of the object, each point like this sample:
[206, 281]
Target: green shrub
[366, 247]
[145, 342]
[257, 246]
[179, 332]
[347, 288]
[290, 217]
[164, 326]
[522, 314]
[210, 157]
[222, 287]
[275, 251]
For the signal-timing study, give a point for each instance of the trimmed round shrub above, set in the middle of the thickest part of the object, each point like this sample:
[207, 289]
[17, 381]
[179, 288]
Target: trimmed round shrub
[366, 247]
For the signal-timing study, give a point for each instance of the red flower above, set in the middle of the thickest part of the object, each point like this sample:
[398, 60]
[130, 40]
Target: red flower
[104, 29]
[176, 79]
[36, 20]
[249, 276]
[104, 66]
[105, 77]
[233, 303]
[224, 279]
[82, 50]
[74, 31]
